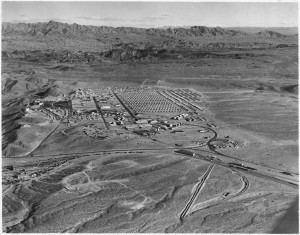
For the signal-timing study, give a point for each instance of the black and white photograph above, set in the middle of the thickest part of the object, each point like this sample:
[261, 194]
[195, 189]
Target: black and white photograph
[150, 117]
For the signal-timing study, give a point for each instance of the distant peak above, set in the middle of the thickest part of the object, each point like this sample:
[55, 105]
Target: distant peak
[270, 33]
[53, 22]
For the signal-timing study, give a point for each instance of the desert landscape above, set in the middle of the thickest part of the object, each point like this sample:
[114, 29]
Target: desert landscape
[148, 130]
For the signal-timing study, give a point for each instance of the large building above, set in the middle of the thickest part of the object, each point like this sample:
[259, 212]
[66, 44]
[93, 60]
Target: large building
[105, 107]
[141, 121]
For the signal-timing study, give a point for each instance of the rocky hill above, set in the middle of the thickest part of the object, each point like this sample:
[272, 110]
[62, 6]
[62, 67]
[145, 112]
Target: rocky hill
[74, 37]
[281, 30]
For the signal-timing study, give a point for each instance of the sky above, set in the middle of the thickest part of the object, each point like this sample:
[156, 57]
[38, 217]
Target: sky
[155, 14]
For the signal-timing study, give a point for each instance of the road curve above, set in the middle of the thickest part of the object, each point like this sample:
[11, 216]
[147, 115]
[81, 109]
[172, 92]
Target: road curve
[212, 148]
[245, 182]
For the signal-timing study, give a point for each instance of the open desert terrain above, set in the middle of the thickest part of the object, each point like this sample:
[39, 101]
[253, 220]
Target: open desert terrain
[147, 130]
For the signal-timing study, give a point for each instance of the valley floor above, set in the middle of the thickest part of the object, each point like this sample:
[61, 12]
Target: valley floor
[128, 183]
[159, 148]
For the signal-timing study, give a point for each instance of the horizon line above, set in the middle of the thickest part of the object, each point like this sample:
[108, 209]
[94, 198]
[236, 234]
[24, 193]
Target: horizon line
[165, 26]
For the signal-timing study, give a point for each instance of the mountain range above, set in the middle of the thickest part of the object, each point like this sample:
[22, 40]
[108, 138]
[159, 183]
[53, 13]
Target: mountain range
[74, 37]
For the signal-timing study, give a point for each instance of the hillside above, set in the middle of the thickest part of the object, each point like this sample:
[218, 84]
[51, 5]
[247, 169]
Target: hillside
[74, 37]
[281, 30]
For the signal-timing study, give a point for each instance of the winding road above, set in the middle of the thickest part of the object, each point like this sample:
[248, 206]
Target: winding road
[212, 149]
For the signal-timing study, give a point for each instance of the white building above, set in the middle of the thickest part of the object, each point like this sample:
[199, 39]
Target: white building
[141, 121]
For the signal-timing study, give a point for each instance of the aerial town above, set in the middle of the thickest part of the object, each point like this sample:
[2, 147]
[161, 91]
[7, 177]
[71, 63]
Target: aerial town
[143, 111]
[129, 108]
[150, 117]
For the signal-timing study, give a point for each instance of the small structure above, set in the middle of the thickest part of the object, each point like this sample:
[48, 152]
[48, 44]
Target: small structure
[105, 107]
[141, 121]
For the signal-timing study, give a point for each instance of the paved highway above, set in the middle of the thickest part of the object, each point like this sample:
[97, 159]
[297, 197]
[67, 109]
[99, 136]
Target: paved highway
[266, 174]
[100, 111]
[197, 191]
[212, 148]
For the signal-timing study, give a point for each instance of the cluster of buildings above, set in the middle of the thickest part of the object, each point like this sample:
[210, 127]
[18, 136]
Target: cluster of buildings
[148, 101]
[228, 144]
[118, 117]
[199, 143]
[153, 124]
[190, 119]
[55, 114]
[11, 175]
[103, 96]
[171, 126]
[236, 144]
[116, 123]
[49, 109]
[185, 116]
[85, 116]
[177, 117]
[120, 106]
[95, 132]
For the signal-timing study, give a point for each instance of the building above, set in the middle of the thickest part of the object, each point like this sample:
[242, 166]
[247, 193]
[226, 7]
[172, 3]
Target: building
[141, 121]
[105, 107]
[176, 117]
[153, 122]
